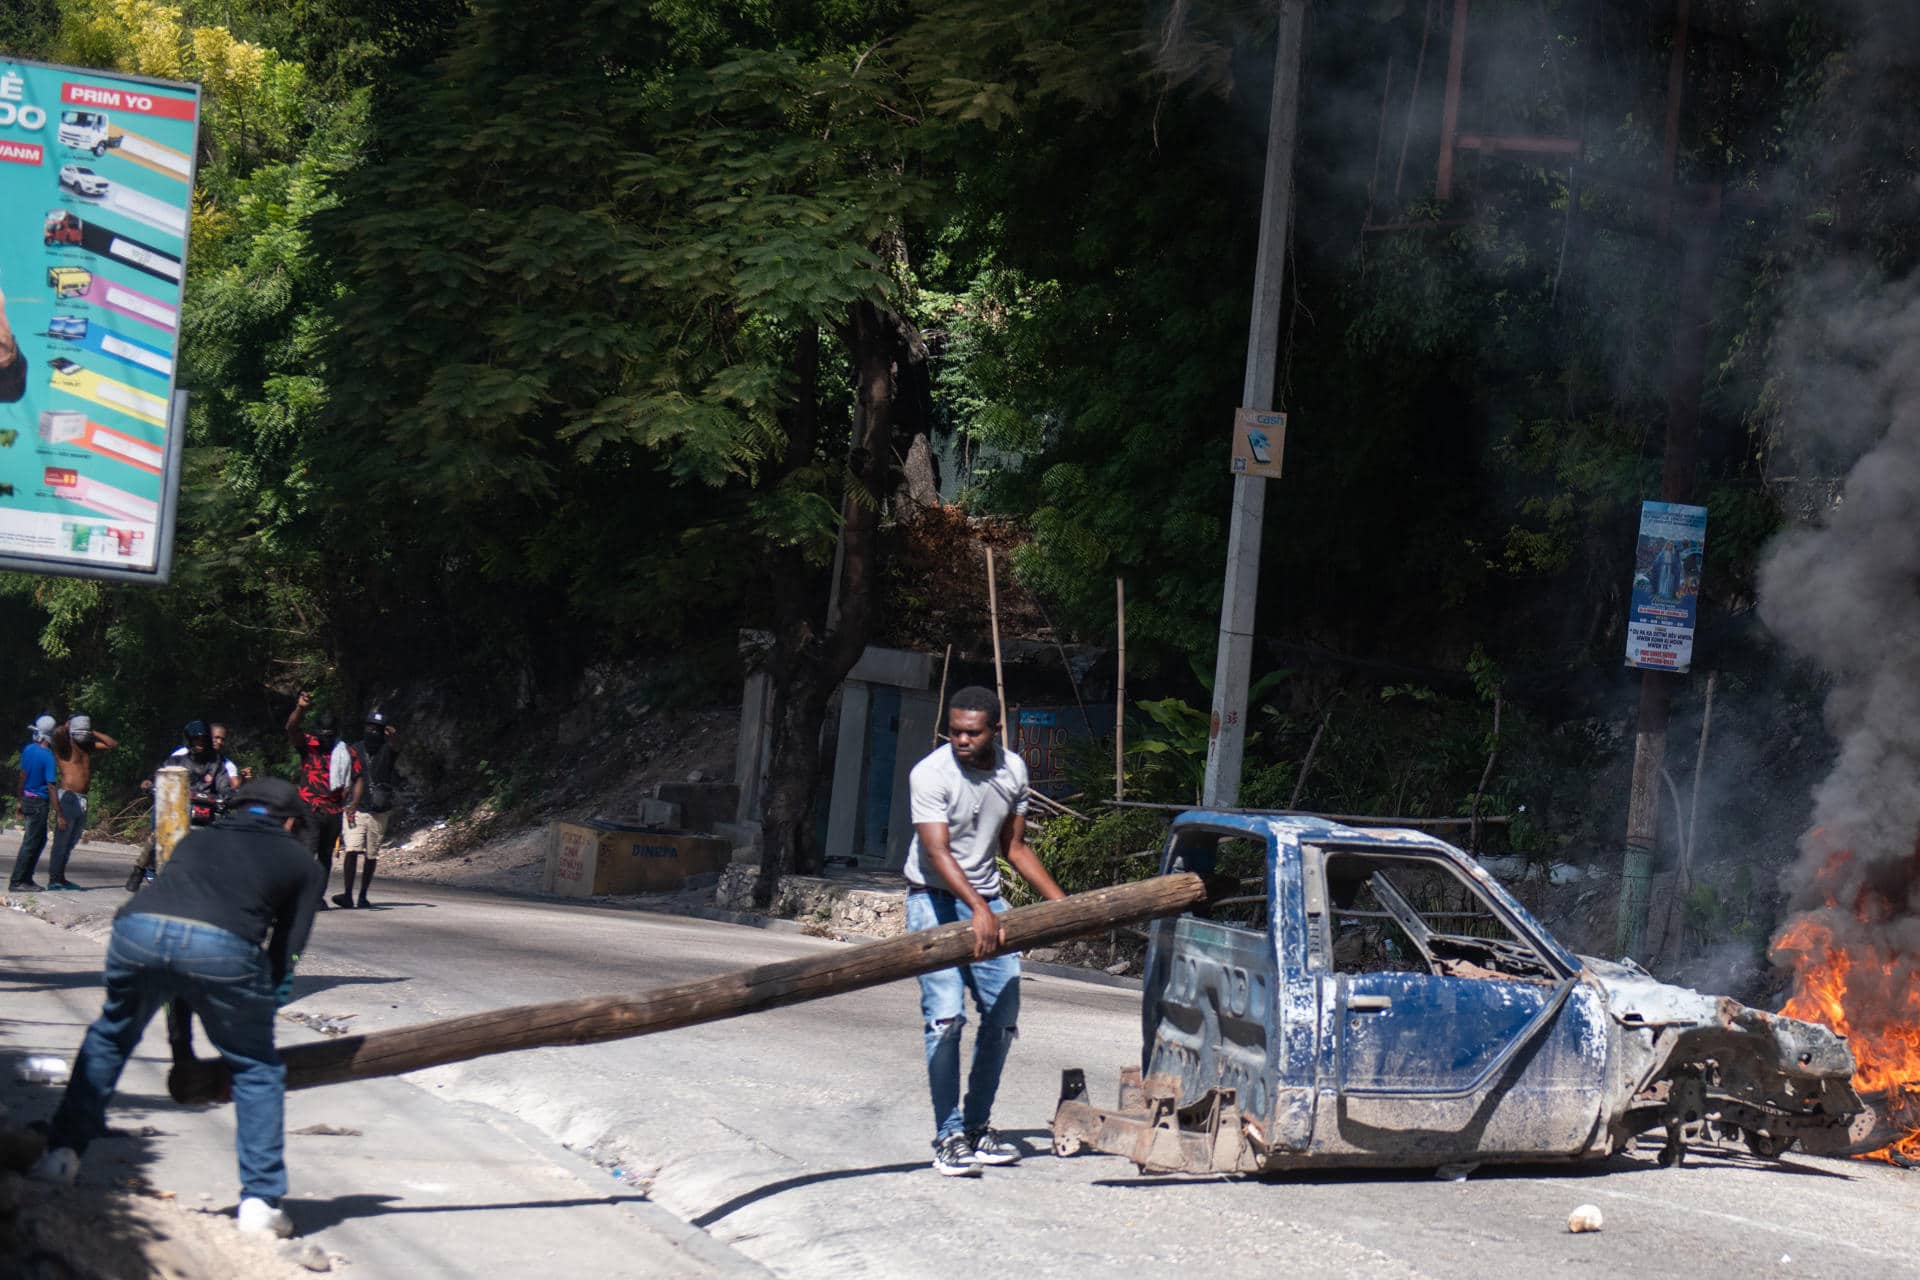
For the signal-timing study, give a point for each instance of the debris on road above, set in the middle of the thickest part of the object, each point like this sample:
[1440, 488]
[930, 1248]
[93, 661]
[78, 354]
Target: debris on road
[327, 1024]
[324, 1131]
[307, 1253]
[1585, 1218]
[42, 1070]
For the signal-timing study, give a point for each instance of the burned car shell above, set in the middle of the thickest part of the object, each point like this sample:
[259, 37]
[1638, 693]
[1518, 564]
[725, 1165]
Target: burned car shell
[1259, 1053]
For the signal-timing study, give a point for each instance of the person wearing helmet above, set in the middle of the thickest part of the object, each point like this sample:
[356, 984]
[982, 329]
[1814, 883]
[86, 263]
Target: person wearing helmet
[369, 803]
[320, 785]
[222, 930]
[36, 793]
[74, 745]
[211, 780]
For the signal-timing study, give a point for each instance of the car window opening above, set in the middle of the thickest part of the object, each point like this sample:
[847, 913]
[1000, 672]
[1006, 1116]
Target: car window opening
[1414, 915]
[1235, 870]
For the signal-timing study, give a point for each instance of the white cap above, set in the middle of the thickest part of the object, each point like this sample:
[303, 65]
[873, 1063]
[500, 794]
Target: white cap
[43, 726]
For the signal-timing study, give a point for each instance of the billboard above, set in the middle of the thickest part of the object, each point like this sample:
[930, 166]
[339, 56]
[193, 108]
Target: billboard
[1667, 564]
[96, 191]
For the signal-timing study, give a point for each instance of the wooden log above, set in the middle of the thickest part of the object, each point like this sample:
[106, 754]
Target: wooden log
[597, 1018]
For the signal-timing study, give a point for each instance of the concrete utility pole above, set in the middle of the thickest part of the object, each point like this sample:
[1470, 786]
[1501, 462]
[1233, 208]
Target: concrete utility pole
[170, 820]
[1227, 736]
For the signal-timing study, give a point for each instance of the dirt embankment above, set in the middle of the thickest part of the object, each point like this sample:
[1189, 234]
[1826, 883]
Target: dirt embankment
[131, 1230]
[495, 836]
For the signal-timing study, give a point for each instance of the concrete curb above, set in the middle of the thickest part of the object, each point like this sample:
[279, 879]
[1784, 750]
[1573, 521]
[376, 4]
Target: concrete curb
[698, 1245]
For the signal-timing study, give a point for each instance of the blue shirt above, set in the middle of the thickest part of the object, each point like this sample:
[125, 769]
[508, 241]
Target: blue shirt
[36, 770]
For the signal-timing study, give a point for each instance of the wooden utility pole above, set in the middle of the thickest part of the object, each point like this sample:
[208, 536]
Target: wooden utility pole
[1233, 663]
[1692, 321]
[597, 1018]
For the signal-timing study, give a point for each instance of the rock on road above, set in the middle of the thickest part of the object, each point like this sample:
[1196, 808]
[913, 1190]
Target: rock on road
[799, 1136]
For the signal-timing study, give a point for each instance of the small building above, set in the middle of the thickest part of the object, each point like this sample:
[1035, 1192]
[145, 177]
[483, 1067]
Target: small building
[882, 723]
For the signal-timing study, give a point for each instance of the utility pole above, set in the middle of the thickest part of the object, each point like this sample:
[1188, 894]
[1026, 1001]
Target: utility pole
[1693, 318]
[1227, 736]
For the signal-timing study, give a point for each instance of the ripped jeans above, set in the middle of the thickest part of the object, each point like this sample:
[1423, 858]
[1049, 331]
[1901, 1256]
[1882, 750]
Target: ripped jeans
[995, 985]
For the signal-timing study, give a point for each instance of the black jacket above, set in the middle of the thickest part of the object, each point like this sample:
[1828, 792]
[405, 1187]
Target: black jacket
[246, 875]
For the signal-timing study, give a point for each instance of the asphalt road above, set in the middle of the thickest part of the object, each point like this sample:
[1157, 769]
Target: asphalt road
[800, 1136]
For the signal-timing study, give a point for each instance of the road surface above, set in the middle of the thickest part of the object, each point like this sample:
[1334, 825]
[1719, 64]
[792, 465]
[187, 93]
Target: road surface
[799, 1136]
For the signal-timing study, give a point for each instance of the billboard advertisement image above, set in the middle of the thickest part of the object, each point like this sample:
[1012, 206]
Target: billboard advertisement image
[96, 189]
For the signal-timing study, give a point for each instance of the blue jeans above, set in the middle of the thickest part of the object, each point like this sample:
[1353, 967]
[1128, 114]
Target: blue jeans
[73, 806]
[32, 840]
[229, 983]
[995, 985]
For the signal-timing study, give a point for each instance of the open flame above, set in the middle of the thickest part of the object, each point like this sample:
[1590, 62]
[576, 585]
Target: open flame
[1864, 990]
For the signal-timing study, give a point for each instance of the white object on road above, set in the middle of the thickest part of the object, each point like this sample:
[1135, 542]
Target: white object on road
[257, 1216]
[42, 1070]
[1585, 1218]
[59, 1166]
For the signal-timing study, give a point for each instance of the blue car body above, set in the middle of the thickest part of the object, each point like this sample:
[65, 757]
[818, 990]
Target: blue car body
[1367, 996]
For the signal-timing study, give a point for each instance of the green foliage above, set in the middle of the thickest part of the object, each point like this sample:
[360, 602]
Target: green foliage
[1091, 855]
[493, 311]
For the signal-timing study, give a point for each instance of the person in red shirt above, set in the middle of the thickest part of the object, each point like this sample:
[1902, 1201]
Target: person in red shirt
[317, 790]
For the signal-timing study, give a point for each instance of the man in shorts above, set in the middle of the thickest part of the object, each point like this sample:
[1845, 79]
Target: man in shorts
[369, 805]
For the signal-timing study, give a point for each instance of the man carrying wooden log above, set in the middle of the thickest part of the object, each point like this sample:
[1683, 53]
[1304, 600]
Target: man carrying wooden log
[969, 808]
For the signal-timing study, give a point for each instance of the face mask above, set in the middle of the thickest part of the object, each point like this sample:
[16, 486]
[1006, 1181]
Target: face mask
[374, 737]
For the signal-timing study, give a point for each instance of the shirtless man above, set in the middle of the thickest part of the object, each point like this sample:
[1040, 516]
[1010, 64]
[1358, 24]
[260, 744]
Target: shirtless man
[73, 746]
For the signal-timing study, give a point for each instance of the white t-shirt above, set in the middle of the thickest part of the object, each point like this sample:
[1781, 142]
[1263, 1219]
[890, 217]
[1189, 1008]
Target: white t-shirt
[340, 766]
[975, 804]
[233, 770]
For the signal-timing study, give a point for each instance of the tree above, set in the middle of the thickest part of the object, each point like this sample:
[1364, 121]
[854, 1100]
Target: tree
[626, 267]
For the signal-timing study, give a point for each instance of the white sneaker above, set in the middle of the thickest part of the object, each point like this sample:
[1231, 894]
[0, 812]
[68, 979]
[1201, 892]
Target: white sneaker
[257, 1215]
[58, 1166]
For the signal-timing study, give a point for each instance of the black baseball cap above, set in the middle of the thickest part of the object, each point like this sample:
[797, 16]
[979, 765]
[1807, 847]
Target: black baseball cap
[280, 798]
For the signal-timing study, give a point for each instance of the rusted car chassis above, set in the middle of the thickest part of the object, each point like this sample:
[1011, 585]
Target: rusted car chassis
[1375, 998]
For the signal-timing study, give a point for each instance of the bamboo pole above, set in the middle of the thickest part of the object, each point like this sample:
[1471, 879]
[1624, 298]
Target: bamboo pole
[940, 707]
[1493, 754]
[1306, 765]
[1120, 695]
[770, 986]
[1693, 803]
[993, 613]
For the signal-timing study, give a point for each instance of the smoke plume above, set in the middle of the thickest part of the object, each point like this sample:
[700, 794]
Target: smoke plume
[1845, 593]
